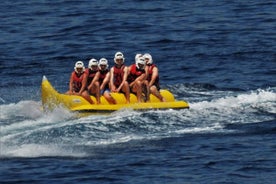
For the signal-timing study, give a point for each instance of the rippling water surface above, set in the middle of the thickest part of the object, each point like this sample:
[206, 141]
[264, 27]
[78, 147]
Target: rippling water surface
[217, 55]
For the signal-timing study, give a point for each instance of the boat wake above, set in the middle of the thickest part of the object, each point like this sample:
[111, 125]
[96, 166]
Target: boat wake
[26, 131]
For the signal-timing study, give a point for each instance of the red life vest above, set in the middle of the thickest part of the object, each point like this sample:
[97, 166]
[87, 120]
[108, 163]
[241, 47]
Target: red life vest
[150, 71]
[102, 75]
[134, 73]
[118, 75]
[90, 75]
[77, 81]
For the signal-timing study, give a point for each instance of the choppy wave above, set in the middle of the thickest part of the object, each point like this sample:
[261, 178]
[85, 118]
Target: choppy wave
[221, 55]
[28, 132]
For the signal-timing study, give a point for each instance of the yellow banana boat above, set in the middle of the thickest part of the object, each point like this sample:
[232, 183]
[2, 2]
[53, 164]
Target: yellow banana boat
[52, 99]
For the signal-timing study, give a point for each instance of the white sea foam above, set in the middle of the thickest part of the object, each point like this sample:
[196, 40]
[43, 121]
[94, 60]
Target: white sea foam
[115, 139]
[22, 122]
[25, 120]
[242, 100]
[28, 109]
[198, 130]
[254, 106]
[2, 100]
[38, 150]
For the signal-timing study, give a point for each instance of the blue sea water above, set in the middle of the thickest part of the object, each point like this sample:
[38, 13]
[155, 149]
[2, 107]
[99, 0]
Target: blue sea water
[217, 55]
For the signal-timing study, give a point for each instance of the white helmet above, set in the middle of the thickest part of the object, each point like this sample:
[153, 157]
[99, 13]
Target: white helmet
[92, 62]
[119, 55]
[79, 64]
[103, 61]
[140, 60]
[137, 56]
[148, 56]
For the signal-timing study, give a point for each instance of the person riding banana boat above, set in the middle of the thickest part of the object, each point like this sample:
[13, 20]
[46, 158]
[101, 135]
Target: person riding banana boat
[77, 84]
[137, 79]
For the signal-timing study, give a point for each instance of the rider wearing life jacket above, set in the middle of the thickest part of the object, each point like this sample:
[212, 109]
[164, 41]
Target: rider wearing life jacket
[153, 77]
[118, 76]
[136, 78]
[92, 77]
[134, 70]
[77, 84]
[104, 79]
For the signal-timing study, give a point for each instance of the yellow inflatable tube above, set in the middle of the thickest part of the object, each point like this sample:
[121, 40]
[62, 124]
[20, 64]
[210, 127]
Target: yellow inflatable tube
[51, 99]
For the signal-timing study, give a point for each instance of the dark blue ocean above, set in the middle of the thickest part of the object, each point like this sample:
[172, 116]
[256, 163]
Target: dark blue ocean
[220, 56]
